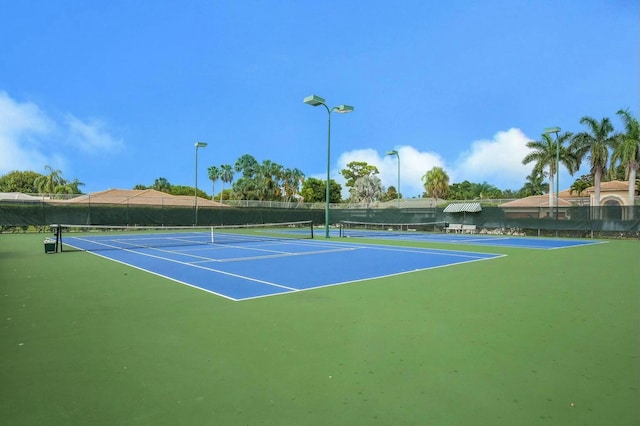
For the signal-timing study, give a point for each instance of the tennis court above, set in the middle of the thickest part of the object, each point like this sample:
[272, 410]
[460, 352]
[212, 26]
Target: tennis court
[533, 337]
[425, 233]
[241, 263]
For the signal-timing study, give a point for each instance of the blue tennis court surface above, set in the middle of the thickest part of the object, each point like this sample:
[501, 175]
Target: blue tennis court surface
[543, 243]
[264, 268]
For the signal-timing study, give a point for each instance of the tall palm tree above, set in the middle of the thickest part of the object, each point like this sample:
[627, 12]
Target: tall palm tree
[436, 182]
[214, 174]
[47, 184]
[595, 143]
[271, 174]
[246, 164]
[627, 149]
[545, 152]
[226, 176]
[296, 179]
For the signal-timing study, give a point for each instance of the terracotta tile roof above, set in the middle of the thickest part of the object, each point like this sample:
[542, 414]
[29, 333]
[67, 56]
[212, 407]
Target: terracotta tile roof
[140, 197]
[535, 201]
[614, 185]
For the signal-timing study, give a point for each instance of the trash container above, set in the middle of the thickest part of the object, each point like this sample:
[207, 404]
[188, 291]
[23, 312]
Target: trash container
[49, 245]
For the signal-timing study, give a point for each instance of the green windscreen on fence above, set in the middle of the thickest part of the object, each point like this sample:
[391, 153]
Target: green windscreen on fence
[21, 213]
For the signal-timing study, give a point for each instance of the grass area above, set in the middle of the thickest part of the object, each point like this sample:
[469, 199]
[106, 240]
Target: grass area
[536, 337]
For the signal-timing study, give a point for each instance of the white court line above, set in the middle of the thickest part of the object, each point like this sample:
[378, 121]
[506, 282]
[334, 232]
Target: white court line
[337, 247]
[285, 254]
[193, 265]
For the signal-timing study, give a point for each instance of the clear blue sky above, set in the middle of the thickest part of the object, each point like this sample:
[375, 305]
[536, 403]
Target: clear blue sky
[116, 93]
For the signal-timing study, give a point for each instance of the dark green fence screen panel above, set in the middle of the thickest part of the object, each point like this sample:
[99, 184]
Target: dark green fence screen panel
[18, 213]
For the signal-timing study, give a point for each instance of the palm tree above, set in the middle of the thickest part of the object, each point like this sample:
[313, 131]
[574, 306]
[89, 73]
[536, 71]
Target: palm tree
[214, 175]
[579, 186]
[48, 183]
[595, 143]
[161, 184]
[226, 176]
[270, 173]
[436, 182]
[246, 164]
[535, 184]
[545, 152]
[627, 150]
[75, 186]
[291, 180]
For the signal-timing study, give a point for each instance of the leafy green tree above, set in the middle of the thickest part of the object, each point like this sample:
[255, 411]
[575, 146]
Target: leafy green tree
[186, 190]
[367, 189]
[509, 193]
[595, 143]
[626, 149]
[461, 191]
[140, 187]
[315, 190]
[357, 169]
[436, 182]
[390, 194]
[226, 194]
[20, 181]
[544, 154]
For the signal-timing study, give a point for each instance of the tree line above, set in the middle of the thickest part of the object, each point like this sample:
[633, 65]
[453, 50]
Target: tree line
[611, 155]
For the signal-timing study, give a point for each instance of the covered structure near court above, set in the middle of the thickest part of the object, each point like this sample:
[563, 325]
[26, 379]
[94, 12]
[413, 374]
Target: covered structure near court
[462, 208]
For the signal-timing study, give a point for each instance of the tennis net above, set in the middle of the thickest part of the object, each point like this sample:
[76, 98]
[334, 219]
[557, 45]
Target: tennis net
[377, 230]
[101, 237]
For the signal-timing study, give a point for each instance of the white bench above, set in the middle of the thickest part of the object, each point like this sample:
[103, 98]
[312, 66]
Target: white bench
[470, 229]
[454, 227]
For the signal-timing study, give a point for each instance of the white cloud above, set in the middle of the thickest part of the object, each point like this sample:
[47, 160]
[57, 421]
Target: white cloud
[497, 161]
[23, 131]
[90, 137]
[31, 139]
[413, 165]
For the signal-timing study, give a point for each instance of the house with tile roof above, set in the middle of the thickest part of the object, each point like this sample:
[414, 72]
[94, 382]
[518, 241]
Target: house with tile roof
[612, 194]
[536, 207]
[140, 197]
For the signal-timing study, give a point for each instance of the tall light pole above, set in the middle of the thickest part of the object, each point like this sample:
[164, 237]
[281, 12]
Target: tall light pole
[314, 100]
[195, 199]
[556, 130]
[395, 152]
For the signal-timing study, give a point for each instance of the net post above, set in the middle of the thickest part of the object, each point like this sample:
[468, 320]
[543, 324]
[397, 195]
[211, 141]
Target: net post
[311, 226]
[57, 233]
